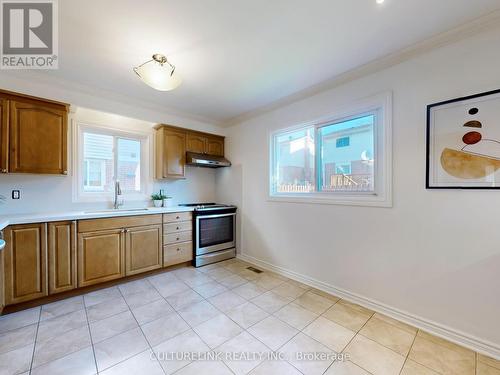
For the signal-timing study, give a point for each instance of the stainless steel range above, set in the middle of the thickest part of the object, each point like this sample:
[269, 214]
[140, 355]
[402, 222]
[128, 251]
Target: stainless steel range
[214, 232]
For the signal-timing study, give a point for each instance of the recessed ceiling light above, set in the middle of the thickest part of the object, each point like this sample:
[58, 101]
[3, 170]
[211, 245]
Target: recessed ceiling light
[380, 1]
[159, 73]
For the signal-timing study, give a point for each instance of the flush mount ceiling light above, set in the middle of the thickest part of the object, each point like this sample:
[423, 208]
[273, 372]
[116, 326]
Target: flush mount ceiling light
[159, 73]
[380, 1]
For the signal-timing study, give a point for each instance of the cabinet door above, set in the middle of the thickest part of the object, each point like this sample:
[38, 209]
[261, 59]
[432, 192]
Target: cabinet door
[38, 138]
[196, 143]
[25, 260]
[101, 256]
[177, 253]
[4, 136]
[174, 154]
[62, 256]
[2, 299]
[215, 146]
[143, 249]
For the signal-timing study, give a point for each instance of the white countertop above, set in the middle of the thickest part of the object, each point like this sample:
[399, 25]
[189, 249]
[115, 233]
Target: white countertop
[81, 215]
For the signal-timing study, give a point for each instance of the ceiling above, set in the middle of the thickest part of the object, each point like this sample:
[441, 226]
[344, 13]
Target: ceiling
[236, 56]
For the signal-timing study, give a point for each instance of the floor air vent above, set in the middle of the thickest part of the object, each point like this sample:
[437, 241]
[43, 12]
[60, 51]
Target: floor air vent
[254, 270]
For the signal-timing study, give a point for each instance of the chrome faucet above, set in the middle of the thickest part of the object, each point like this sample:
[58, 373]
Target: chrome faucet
[118, 191]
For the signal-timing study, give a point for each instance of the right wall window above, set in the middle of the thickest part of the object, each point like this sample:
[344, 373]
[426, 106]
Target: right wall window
[347, 155]
[343, 160]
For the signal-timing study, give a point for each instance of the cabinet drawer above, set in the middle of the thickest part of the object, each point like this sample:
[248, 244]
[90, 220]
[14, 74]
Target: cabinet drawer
[177, 237]
[91, 225]
[178, 253]
[176, 217]
[182, 226]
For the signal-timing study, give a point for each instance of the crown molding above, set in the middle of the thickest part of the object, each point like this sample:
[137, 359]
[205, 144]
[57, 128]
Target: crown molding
[476, 26]
[37, 77]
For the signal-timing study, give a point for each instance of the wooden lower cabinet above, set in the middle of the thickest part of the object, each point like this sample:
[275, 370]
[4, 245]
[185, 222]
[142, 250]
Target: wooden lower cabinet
[2, 299]
[25, 262]
[49, 258]
[177, 253]
[101, 256]
[143, 250]
[62, 256]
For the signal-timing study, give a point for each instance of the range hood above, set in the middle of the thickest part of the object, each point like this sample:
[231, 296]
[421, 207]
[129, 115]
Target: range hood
[207, 161]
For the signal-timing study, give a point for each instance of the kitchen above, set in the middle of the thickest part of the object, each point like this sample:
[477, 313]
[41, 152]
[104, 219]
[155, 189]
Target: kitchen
[211, 187]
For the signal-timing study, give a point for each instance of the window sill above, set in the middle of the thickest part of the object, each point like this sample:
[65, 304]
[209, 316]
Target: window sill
[366, 200]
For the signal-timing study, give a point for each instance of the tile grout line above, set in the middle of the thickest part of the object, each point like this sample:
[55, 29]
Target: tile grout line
[436, 371]
[224, 313]
[139, 326]
[90, 333]
[350, 341]
[409, 351]
[192, 329]
[34, 343]
[272, 315]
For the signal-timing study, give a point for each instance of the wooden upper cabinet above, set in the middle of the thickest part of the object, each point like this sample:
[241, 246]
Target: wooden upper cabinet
[4, 135]
[25, 263]
[62, 256]
[143, 249]
[38, 138]
[172, 143]
[215, 146]
[170, 153]
[196, 143]
[205, 144]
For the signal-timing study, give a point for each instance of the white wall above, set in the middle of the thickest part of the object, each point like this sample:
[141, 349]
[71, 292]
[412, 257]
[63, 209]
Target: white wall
[43, 193]
[435, 254]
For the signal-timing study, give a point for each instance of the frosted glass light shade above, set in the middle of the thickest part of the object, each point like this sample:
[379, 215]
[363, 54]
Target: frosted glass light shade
[159, 75]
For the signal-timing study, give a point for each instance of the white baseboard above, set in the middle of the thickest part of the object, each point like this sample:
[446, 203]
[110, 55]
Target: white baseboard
[461, 338]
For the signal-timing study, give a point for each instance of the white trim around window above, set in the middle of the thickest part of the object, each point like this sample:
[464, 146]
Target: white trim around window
[79, 128]
[381, 196]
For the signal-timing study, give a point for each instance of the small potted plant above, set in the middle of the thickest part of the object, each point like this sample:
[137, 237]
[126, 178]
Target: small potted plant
[158, 199]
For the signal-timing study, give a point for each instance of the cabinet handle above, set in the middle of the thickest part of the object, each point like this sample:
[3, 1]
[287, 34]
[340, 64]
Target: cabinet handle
[177, 239]
[65, 172]
[178, 249]
[178, 228]
[177, 217]
[5, 171]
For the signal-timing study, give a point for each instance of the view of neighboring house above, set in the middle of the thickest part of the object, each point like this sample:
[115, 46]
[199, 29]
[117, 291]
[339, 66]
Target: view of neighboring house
[98, 163]
[346, 157]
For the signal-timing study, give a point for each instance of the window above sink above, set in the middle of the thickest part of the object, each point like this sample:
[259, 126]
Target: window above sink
[104, 155]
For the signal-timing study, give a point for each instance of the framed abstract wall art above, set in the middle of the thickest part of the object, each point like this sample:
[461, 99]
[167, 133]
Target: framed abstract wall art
[463, 143]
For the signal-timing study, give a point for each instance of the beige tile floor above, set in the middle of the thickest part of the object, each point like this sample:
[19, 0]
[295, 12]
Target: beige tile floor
[223, 308]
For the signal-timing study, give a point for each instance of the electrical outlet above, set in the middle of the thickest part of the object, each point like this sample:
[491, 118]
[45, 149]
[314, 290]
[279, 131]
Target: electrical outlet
[16, 194]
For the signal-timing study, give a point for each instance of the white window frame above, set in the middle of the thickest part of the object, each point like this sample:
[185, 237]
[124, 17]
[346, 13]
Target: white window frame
[381, 106]
[79, 195]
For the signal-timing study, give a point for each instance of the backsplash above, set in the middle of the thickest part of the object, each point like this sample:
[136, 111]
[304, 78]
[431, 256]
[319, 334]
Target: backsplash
[54, 193]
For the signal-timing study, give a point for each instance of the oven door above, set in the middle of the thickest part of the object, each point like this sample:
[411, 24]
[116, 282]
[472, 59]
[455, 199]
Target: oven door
[215, 232]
